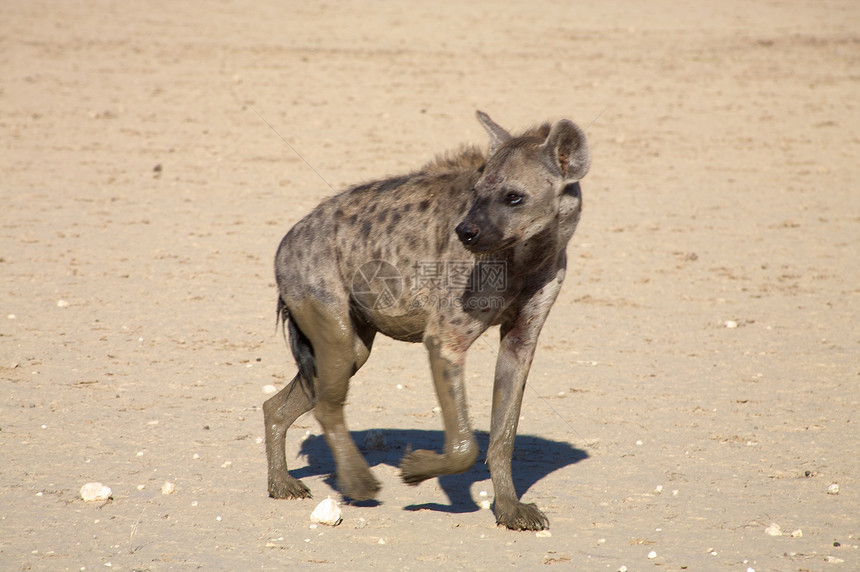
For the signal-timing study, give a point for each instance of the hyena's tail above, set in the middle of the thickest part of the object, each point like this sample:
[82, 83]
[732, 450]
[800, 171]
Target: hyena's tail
[301, 347]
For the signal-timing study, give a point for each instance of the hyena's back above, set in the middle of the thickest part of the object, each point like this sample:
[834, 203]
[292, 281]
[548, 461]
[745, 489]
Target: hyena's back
[400, 220]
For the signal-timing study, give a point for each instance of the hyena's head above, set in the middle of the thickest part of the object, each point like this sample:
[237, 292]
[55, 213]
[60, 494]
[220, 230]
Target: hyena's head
[530, 184]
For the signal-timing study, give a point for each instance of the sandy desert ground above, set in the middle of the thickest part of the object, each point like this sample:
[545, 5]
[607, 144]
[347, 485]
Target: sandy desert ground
[698, 380]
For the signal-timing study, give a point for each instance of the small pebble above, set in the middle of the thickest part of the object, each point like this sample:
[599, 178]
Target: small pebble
[62, 303]
[226, 464]
[833, 489]
[730, 324]
[485, 504]
[773, 530]
[797, 533]
[168, 488]
[543, 534]
[622, 569]
[659, 489]
[94, 492]
[267, 389]
[327, 512]
[652, 555]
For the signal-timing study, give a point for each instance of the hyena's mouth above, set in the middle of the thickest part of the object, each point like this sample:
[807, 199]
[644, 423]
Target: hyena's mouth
[489, 247]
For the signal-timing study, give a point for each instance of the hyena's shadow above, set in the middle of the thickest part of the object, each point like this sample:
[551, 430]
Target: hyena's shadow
[534, 458]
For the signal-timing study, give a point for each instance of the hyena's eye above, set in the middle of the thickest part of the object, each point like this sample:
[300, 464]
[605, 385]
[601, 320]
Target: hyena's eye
[513, 198]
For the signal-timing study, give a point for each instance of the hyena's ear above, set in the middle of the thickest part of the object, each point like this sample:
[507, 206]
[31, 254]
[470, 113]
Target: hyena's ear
[498, 136]
[567, 149]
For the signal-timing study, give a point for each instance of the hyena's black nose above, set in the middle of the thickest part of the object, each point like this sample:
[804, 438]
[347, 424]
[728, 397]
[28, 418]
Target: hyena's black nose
[468, 233]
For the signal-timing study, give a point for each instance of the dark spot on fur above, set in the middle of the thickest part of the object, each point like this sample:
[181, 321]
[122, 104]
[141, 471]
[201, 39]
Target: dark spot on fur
[383, 216]
[424, 205]
[395, 216]
[365, 230]
[319, 291]
[407, 207]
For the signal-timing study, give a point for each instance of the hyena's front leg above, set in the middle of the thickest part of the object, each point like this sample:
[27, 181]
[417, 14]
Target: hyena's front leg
[519, 339]
[461, 447]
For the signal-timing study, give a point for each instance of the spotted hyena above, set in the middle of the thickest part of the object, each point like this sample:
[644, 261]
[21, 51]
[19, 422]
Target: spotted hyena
[469, 241]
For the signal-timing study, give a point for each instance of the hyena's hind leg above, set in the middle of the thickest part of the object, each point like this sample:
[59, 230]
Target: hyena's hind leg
[334, 349]
[279, 412]
[341, 348]
[282, 409]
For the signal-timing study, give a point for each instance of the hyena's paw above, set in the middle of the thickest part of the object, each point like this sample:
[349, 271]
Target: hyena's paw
[358, 484]
[288, 488]
[418, 466]
[520, 516]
